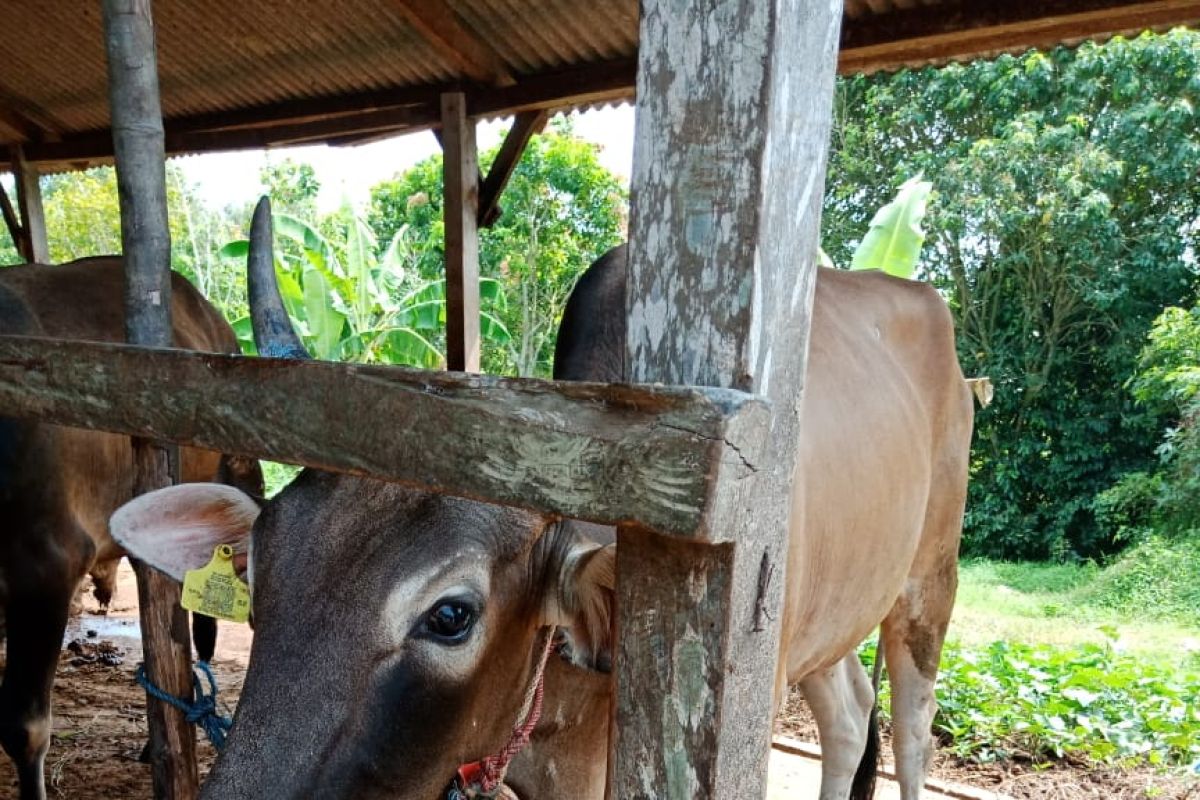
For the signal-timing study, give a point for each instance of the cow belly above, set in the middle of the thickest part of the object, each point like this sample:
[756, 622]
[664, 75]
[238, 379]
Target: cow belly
[862, 485]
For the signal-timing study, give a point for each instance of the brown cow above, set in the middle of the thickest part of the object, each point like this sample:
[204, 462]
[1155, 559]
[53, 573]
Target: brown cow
[59, 486]
[398, 632]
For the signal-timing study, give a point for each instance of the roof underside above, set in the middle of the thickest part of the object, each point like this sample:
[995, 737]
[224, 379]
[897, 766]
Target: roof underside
[238, 74]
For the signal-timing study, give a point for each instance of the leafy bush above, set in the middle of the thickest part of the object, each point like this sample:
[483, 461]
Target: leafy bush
[347, 304]
[1168, 381]
[1129, 508]
[1044, 702]
[1157, 579]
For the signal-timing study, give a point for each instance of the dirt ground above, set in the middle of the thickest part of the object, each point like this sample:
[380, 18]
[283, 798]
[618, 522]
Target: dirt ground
[99, 725]
[99, 710]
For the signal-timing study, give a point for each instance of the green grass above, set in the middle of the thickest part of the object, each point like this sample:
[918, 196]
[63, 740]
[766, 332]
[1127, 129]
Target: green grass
[1146, 603]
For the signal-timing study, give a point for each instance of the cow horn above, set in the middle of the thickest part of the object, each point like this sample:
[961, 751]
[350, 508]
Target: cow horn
[273, 332]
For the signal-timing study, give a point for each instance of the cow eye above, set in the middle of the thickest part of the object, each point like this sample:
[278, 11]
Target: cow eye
[450, 620]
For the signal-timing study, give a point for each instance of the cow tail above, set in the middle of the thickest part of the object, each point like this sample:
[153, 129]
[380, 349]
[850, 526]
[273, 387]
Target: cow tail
[863, 786]
[204, 637]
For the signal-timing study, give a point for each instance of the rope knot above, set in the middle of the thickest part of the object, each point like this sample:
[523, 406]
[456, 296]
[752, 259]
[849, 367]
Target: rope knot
[201, 710]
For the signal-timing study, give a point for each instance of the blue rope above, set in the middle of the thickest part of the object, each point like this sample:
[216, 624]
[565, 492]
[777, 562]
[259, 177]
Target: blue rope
[202, 710]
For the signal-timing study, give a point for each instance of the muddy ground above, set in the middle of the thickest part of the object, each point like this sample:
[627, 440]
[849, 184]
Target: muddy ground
[100, 728]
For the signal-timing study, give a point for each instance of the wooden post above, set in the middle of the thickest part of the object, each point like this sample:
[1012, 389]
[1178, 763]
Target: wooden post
[10, 220]
[141, 183]
[33, 244]
[460, 181]
[733, 117]
[524, 126]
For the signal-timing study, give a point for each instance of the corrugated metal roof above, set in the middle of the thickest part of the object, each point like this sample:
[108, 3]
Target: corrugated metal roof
[239, 74]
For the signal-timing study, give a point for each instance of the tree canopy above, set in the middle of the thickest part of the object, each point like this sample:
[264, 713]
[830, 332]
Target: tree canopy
[562, 209]
[1064, 219]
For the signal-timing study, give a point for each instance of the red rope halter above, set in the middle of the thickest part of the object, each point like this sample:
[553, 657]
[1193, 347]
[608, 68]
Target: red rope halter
[482, 778]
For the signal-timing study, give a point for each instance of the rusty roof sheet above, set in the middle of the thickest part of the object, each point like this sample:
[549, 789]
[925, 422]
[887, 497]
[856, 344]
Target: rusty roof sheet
[237, 74]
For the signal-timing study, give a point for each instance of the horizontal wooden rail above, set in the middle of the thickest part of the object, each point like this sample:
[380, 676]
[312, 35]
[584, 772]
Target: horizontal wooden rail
[606, 453]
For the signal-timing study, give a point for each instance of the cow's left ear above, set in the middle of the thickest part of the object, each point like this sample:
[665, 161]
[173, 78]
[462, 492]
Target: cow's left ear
[587, 600]
[176, 529]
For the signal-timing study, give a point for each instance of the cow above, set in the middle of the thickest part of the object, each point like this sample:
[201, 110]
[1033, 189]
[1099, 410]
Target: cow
[59, 486]
[399, 634]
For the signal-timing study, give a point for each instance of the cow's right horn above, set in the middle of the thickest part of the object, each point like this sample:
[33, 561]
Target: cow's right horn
[273, 333]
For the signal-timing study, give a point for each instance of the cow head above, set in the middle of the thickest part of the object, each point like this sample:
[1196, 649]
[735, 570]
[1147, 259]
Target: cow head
[396, 631]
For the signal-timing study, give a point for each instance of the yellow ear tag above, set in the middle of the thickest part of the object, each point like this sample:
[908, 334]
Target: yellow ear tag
[215, 589]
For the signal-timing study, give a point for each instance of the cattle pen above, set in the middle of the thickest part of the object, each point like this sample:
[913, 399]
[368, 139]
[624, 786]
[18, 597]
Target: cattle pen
[690, 458]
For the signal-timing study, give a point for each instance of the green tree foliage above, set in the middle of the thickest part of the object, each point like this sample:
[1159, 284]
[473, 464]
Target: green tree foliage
[293, 187]
[83, 219]
[1166, 498]
[1065, 220]
[562, 209]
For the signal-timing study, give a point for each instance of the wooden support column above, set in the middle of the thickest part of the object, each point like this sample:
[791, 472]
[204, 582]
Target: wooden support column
[733, 117]
[460, 179]
[141, 183]
[33, 244]
[11, 223]
[524, 126]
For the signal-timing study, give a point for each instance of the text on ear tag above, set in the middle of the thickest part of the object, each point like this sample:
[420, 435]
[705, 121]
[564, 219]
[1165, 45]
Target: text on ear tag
[215, 590]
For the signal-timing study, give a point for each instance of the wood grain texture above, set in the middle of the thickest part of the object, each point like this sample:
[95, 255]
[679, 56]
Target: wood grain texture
[734, 101]
[460, 182]
[589, 451]
[146, 242]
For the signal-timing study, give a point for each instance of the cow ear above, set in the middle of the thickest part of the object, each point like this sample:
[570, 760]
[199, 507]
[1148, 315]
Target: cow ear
[591, 603]
[176, 529]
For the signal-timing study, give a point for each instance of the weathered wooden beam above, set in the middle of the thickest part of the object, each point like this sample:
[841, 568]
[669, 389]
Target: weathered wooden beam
[733, 120]
[10, 220]
[451, 39]
[33, 244]
[16, 126]
[983, 28]
[146, 242]
[333, 116]
[26, 120]
[460, 182]
[524, 126]
[596, 452]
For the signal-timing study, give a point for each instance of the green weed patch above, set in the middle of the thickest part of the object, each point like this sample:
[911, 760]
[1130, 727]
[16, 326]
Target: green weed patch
[1091, 701]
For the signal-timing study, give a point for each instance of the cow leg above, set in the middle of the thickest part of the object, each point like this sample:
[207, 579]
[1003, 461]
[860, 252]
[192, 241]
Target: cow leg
[841, 700]
[36, 621]
[913, 634]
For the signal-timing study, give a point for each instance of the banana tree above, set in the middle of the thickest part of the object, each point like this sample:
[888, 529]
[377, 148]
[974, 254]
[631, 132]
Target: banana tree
[347, 304]
[893, 242]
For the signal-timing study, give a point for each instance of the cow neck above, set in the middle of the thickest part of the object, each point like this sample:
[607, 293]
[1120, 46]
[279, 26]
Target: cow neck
[484, 778]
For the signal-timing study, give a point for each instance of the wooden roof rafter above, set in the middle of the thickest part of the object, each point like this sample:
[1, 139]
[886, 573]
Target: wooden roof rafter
[369, 114]
[376, 68]
[959, 29]
[447, 34]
